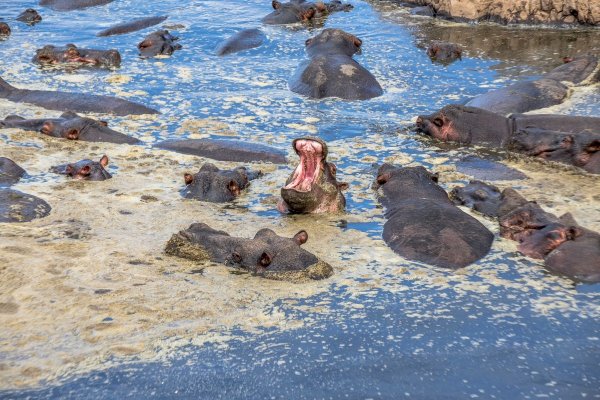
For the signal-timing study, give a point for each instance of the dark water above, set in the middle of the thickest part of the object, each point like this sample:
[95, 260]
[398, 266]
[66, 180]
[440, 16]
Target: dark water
[517, 333]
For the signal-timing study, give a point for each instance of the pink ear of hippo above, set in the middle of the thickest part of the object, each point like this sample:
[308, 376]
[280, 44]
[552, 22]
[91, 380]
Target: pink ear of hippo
[104, 160]
[301, 237]
[188, 178]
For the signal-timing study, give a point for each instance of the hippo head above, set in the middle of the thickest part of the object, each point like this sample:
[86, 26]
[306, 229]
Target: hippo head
[73, 127]
[85, 169]
[549, 145]
[586, 152]
[540, 242]
[337, 5]
[214, 185]
[4, 29]
[462, 124]
[523, 220]
[401, 183]
[312, 187]
[292, 12]
[50, 55]
[479, 196]
[30, 17]
[443, 52]
[333, 41]
[158, 43]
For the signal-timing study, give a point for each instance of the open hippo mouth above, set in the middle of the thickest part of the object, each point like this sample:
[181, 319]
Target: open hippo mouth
[312, 153]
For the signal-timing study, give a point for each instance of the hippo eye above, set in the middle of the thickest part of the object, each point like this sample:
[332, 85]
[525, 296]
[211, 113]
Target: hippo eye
[438, 122]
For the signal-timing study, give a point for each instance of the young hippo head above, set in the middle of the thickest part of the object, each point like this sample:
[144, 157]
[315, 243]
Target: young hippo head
[158, 43]
[333, 41]
[4, 30]
[217, 186]
[479, 196]
[538, 243]
[73, 127]
[312, 187]
[85, 169]
[443, 52]
[30, 17]
[549, 145]
[466, 125]
[402, 183]
[291, 12]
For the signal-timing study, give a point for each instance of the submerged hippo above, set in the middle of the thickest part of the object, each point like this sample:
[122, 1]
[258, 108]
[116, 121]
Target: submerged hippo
[69, 5]
[79, 102]
[17, 206]
[4, 30]
[132, 26]
[312, 187]
[567, 248]
[30, 17]
[69, 126]
[158, 43]
[267, 254]
[85, 170]
[217, 186]
[243, 40]
[423, 224]
[540, 93]
[569, 139]
[302, 11]
[10, 172]
[331, 71]
[51, 55]
[444, 52]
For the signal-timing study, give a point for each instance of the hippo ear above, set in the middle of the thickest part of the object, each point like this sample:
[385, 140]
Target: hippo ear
[308, 41]
[234, 188]
[104, 160]
[188, 178]
[435, 177]
[573, 232]
[276, 5]
[265, 259]
[145, 44]
[383, 178]
[308, 14]
[342, 185]
[72, 134]
[357, 42]
[300, 238]
[332, 169]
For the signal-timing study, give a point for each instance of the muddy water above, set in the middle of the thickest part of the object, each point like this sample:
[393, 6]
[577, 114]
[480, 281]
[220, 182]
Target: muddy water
[91, 307]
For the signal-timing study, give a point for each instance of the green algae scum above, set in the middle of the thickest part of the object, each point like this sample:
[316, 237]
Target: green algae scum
[93, 306]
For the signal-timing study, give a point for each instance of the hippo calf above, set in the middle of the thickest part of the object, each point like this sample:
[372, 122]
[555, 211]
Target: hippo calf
[71, 54]
[69, 126]
[331, 71]
[30, 17]
[312, 187]
[243, 40]
[267, 254]
[567, 248]
[444, 52]
[10, 172]
[85, 170]
[217, 186]
[158, 43]
[302, 11]
[423, 224]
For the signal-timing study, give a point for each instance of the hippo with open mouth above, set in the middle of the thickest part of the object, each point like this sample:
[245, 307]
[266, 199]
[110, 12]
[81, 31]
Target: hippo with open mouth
[71, 54]
[312, 187]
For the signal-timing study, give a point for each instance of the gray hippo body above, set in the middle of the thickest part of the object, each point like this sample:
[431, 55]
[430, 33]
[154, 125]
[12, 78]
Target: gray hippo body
[69, 126]
[132, 26]
[267, 254]
[17, 206]
[10, 172]
[547, 91]
[243, 40]
[69, 5]
[331, 71]
[72, 55]
[158, 43]
[29, 16]
[225, 150]
[423, 224]
[78, 102]
[217, 186]
[85, 170]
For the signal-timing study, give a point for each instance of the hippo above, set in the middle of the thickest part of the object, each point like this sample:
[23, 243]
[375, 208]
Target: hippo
[422, 223]
[444, 52]
[302, 11]
[158, 43]
[85, 170]
[488, 170]
[78, 102]
[225, 150]
[69, 126]
[266, 255]
[4, 30]
[17, 206]
[132, 26]
[51, 55]
[69, 5]
[217, 186]
[243, 40]
[568, 139]
[312, 187]
[30, 17]
[544, 92]
[566, 248]
[10, 172]
[331, 71]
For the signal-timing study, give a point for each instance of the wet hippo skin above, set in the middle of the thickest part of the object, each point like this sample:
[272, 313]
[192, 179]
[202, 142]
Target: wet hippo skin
[132, 26]
[423, 224]
[4, 30]
[225, 150]
[158, 43]
[70, 54]
[312, 187]
[85, 170]
[30, 17]
[243, 40]
[331, 71]
[267, 254]
[443, 52]
[17, 206]
[69, 5]
[302, 11]
[10, 172]
[217, 186]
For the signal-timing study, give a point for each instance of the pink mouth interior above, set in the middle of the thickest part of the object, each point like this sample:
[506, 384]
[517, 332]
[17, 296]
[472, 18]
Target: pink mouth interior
[307, 171]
